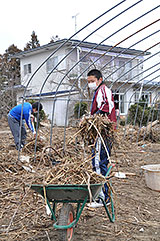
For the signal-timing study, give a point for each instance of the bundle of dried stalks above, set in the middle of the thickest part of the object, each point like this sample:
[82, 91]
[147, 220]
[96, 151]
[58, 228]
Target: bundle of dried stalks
[72, 171]
[93, 126]
[52, 166]
[150, 132]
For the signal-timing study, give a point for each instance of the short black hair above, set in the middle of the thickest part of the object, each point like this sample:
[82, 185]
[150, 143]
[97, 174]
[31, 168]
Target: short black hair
[35, 106]
[96, 73]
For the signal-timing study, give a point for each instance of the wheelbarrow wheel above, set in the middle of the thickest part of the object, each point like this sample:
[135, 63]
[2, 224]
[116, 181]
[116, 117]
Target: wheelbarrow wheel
[66, 216]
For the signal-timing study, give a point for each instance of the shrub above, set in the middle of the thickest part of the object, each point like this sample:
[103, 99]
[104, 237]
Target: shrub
[80, 109]
[142, 114]
[122, 122]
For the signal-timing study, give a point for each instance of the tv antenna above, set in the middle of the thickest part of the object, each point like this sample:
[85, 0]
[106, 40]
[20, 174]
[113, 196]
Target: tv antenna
[75, 18]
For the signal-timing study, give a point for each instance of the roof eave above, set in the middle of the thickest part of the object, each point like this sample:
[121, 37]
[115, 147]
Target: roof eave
[51, 46]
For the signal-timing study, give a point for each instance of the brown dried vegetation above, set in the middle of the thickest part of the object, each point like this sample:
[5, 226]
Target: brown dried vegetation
[22, 211]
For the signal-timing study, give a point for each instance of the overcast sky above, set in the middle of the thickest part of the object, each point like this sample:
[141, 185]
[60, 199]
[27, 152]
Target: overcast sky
[48, 18]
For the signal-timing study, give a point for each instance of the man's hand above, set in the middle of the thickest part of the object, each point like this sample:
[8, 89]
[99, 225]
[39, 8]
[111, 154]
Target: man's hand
[81, 121]
[32, 118]
[34, 134]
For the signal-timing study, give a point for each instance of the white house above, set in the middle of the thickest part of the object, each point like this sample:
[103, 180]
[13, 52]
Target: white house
[56, 73]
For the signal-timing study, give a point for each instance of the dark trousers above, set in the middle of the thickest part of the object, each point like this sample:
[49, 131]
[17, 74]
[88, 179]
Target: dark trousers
[15, 129]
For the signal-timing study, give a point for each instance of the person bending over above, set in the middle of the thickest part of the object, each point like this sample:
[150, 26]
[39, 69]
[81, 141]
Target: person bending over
[14, 119]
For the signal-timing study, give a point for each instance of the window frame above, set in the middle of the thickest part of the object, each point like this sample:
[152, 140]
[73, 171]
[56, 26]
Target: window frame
[51, 63]
[27, 69]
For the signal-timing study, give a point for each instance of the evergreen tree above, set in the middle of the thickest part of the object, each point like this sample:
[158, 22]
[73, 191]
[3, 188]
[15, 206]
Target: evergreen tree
[34, 43]
[10, 67]
[9, 77]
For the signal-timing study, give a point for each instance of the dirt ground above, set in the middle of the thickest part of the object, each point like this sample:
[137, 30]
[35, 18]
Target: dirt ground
[23, 216]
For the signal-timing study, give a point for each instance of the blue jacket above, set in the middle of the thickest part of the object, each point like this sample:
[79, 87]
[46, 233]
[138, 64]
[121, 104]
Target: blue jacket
[27, 110]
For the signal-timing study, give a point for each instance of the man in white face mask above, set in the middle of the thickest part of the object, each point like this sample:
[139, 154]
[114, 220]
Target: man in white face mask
[91, 83]
[102, 103]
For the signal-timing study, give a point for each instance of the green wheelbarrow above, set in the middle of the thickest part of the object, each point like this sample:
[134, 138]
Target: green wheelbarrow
[67, 194]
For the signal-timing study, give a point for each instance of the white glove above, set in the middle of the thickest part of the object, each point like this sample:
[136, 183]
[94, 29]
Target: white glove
[34, 133]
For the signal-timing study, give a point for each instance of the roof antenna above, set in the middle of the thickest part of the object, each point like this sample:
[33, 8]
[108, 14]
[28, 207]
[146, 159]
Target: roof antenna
[75, 17]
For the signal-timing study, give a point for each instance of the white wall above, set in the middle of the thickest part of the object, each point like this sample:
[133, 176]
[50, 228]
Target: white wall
[51, 85]
[36, 83]
[59, 111]
[129, 100]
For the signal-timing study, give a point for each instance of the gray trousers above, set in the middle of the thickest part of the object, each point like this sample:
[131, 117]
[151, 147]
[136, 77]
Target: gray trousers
[15, 129]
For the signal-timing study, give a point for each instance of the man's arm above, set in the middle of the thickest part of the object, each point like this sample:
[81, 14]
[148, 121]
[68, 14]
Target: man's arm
[104, 100]
[29, 122]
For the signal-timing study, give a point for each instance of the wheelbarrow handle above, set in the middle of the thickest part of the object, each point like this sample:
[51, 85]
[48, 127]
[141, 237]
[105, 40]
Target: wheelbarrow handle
[109, 169]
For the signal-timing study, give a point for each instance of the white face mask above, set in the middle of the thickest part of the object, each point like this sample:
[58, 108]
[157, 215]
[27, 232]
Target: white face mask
[92, 85]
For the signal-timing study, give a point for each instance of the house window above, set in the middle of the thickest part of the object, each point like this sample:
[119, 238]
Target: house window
[145, 98]
[51, 63]
[27, 69]
[121, 63]
[136, 97]
[122, 111]
[119, 100]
